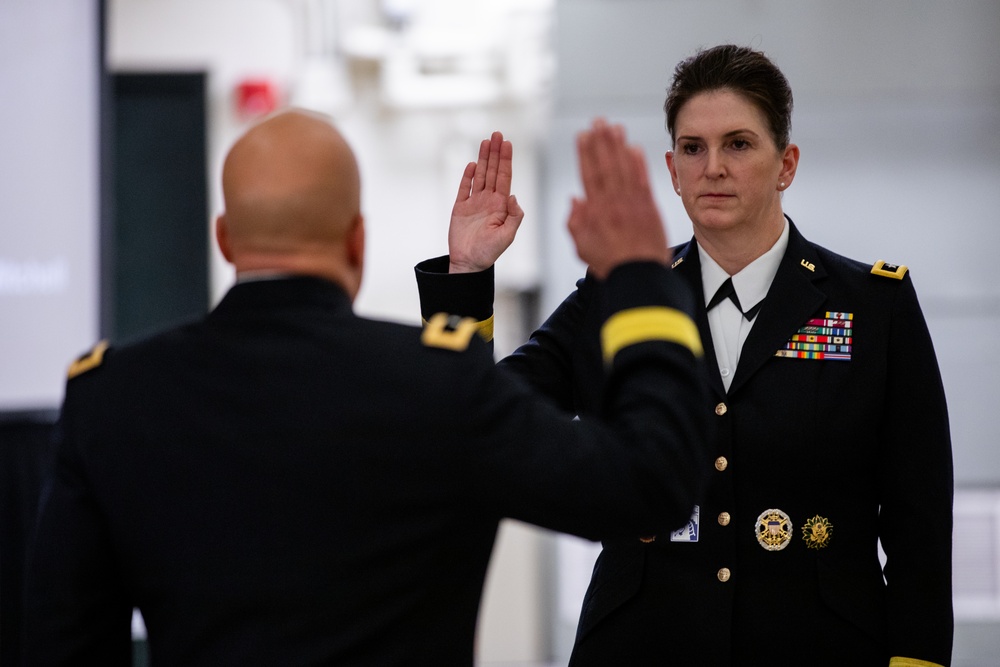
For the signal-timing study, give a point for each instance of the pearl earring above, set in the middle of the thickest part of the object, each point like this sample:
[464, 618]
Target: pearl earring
[782, 185]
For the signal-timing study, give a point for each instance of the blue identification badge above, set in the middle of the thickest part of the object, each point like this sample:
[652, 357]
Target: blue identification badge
[689, 531]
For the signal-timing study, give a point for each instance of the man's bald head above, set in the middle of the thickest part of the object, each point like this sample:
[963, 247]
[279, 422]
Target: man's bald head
[292, 198]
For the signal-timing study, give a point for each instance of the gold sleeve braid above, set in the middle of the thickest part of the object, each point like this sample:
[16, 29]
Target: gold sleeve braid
[911, 662]
[638, 325]
[485, 329]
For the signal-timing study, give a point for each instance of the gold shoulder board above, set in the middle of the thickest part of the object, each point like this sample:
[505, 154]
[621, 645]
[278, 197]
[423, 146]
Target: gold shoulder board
[449, 332]
[88, 361]
[887, 270]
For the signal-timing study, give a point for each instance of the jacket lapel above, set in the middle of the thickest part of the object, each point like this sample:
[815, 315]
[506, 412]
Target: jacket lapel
[792, 299]
[687, 264]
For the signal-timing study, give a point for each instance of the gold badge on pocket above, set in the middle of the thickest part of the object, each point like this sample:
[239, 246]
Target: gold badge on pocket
[817, 532]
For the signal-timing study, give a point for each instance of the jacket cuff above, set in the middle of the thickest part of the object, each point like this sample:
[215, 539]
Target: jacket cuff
[463, 294]
[644, 302]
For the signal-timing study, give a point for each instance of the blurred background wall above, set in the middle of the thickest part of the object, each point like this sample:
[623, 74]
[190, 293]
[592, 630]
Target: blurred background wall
[897, 114]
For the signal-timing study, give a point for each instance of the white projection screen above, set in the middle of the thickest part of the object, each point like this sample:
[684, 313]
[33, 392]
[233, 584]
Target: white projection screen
[50, 204]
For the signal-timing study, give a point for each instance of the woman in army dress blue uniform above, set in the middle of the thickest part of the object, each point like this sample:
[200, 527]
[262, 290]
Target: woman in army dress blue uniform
[831, 424]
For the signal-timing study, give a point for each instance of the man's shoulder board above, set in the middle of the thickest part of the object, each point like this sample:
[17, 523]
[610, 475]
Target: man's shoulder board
[89, 361]
[449, 332]
[886, 270]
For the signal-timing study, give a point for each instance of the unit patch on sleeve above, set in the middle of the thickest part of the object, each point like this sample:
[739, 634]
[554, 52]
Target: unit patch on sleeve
[689, 531]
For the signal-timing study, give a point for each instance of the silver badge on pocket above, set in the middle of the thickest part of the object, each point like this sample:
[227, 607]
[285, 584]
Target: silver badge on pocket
[774, 530]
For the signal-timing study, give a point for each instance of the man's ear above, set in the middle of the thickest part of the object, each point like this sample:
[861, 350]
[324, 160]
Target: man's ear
[222, 237]
[355, 244]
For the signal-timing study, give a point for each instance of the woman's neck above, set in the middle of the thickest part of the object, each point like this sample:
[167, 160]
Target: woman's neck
[734, 249]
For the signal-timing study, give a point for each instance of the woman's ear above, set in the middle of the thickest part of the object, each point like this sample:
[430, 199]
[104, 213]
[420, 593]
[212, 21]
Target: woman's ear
[673, 171]
[789, 164]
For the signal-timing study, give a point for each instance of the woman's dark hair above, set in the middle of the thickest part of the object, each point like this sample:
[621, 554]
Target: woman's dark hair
[740, 69]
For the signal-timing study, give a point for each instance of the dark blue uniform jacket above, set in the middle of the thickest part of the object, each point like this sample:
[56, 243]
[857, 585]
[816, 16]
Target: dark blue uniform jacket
[285, 483]
[851, 445]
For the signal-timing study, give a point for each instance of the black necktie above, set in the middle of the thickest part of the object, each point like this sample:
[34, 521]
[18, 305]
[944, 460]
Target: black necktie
[726, 290]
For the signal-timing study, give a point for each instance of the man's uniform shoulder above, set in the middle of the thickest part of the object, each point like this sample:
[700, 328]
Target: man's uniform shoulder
[89, 361]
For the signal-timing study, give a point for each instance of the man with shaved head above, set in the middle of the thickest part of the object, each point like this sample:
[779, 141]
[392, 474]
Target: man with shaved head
[286, 483]
[293, 202]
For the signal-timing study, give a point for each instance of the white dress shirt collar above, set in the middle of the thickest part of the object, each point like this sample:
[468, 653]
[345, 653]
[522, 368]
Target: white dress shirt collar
[753, 282]
[728, 326]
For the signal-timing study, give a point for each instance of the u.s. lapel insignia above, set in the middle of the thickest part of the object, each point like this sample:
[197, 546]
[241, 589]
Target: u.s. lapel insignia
[774, 530]
[817, 532]
[829, 337]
